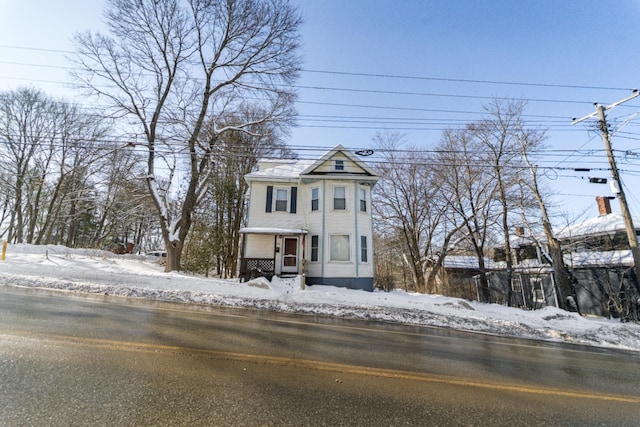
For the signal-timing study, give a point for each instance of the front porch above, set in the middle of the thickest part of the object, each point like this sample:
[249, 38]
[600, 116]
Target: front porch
[251, 268]
[269, 252]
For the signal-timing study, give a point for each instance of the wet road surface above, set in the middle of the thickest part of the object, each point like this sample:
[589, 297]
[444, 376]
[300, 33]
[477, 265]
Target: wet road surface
[68, 359]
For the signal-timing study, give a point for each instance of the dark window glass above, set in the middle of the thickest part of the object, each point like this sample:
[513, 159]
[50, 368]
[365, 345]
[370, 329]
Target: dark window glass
[339, 198]
[314, 199]
[363, 248]
[314, 248]
[281, 200]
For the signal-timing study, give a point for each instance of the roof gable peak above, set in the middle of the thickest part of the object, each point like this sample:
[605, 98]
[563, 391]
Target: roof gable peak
[338, 151]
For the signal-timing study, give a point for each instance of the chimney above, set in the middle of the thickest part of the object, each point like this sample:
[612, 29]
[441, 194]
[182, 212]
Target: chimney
[519, 231]
[604, 206]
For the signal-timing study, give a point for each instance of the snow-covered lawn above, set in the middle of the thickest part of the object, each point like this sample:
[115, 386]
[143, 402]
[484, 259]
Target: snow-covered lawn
[58, 267]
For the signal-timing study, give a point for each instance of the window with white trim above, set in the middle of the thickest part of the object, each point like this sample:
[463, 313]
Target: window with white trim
[282, 199]
[340, 250]
[315, 240]
[315, 199]
[363, 200]
[340, 198]
[363, 249]
[537, 291]
[338, 165]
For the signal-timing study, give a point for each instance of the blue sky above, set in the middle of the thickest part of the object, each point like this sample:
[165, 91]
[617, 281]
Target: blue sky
[456, 48]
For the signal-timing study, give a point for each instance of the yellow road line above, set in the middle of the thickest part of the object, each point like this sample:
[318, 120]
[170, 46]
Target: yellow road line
[322, 366]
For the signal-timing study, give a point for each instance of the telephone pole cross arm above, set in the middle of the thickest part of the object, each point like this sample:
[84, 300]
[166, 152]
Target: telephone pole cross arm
[615, 175]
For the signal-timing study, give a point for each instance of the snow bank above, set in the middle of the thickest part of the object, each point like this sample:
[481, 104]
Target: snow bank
[58, 267]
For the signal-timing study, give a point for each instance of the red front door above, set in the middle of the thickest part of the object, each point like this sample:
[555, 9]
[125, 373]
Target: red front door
[290, 255]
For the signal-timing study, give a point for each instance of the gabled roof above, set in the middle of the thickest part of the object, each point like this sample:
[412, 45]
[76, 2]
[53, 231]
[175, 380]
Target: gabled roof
[598, 226]
[295, 169]
[604, 224]
[331, 153]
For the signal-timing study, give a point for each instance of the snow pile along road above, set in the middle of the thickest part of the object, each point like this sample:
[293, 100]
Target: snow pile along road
[57, 267]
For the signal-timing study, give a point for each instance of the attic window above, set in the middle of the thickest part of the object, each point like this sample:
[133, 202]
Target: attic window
[338, 165]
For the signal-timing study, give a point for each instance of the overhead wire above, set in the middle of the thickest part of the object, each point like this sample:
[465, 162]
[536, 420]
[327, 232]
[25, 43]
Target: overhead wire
[432, 161]
[392, 76]
[557, 123]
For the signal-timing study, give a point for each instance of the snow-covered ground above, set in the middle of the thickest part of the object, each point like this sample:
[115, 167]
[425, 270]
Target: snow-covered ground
[58, 267]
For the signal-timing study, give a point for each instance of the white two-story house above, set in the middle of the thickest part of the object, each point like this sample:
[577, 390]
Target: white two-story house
[311, 218]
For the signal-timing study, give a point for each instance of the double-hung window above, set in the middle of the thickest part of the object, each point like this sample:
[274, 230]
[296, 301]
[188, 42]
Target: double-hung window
[339, 198]
[314, 247]
[363, 200]
[282, 199]
[315, 199]
[338, 165]
[363, 249]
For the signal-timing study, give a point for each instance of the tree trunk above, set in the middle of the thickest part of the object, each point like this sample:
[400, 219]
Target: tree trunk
[564, 287]
[485, 292]
[507, 244]
[18, 223]
[174, 256]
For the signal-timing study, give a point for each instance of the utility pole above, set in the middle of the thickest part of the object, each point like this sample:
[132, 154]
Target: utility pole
[617, 186]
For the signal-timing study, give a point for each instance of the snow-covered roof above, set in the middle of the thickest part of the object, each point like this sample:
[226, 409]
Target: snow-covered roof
[272, 230]
[288, 169]
[466, 262]
[601, 225]
[584, 259]
[519, 241]
[604, 224]
[283, 169]
[599, 259]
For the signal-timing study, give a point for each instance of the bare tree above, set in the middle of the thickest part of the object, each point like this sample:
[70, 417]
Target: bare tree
[565, 289]
[170, 67]
[122, 202]
[50, 150]
[469, 189]
[410, 208]
[498, 136]
[222, 211]
[70, 162]
[24, 126]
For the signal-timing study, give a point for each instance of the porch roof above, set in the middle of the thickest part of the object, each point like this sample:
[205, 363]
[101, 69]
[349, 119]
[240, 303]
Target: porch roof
[272, 230]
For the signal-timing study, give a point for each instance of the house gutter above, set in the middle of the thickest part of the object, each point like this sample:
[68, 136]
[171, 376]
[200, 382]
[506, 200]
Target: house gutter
[356, 208]
[323, 236]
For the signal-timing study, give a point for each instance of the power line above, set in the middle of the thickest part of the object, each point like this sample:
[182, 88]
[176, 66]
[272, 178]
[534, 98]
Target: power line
[241, 154]
[442, 95]
[402, 123]
[448, 79]
[334, 89]
[386, 125]
[395, 76]
[558, 119]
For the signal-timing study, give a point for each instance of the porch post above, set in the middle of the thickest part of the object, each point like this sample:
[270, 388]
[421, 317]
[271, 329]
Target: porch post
[303, 261]
[243, 254]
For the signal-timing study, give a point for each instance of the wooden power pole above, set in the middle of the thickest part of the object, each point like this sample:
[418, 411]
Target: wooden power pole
[616, 184]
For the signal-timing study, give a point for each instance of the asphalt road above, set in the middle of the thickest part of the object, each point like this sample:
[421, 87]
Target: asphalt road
[68, 359]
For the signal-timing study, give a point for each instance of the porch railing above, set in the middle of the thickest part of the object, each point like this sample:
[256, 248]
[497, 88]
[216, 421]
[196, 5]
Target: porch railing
[250, 268]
